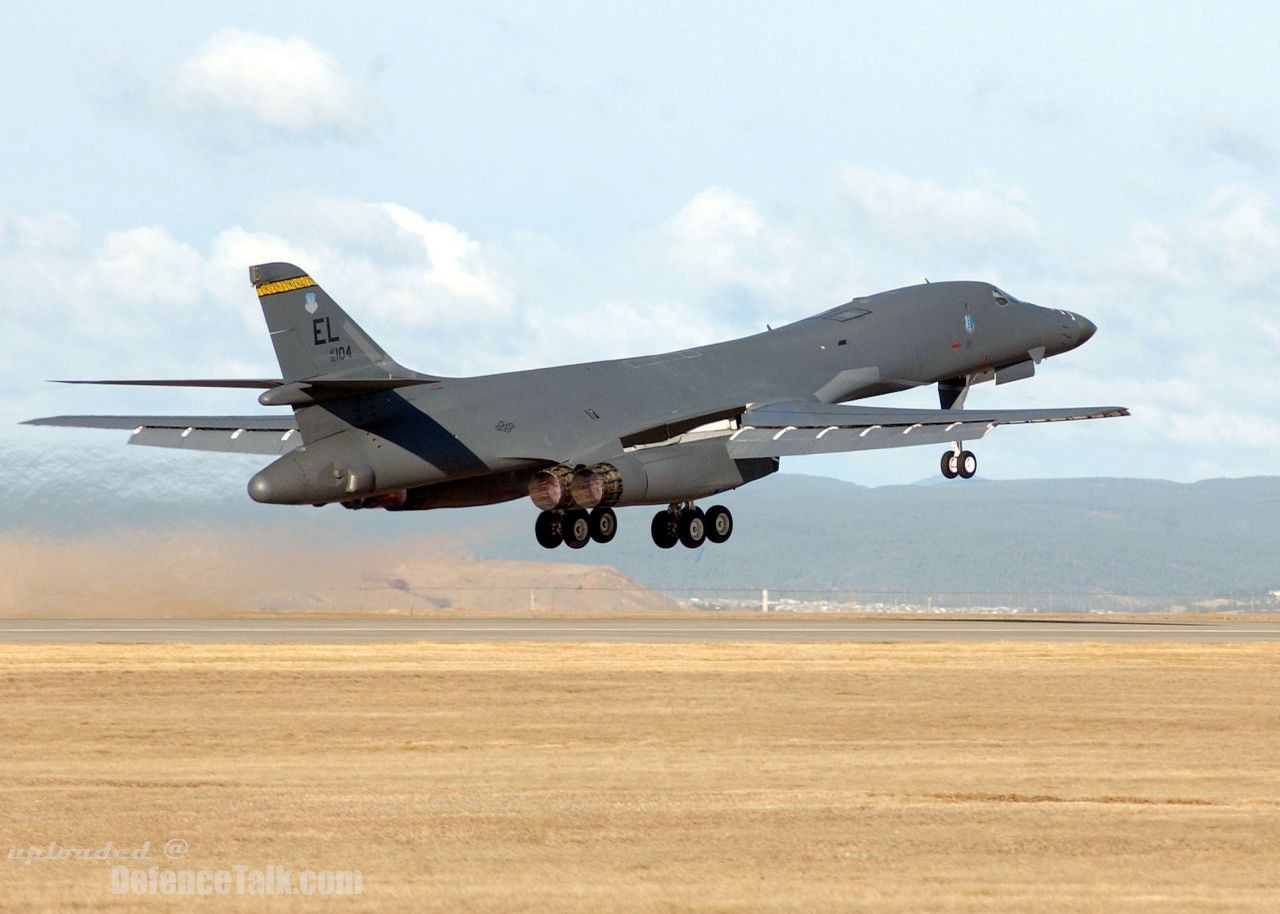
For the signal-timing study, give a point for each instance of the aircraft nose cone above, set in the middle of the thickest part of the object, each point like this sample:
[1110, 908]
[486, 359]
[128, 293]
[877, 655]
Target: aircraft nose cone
[1087, 329]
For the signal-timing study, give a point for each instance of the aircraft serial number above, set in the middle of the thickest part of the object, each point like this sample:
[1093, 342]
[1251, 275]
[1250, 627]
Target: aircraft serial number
[339, 353]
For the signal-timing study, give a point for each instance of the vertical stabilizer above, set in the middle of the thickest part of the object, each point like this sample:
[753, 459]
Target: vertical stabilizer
[312, 336]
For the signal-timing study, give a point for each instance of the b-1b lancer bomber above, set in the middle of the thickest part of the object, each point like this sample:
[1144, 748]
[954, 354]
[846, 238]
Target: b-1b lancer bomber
[580, 440]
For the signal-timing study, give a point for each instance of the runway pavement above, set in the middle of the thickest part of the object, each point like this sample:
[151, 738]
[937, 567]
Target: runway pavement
[778, 629]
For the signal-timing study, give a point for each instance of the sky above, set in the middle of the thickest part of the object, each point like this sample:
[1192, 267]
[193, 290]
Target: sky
[489, 187]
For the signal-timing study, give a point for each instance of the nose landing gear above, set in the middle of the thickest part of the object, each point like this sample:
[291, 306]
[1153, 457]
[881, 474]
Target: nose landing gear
[959, 463]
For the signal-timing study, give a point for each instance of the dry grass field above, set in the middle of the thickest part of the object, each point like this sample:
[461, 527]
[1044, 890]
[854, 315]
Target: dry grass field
[594, 777]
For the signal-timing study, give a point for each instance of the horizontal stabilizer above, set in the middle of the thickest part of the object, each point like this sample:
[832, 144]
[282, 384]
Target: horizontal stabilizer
[230, 434]
[278, 392]
[251, 383]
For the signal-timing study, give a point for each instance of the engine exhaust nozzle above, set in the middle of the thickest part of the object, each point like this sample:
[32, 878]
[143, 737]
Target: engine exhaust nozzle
[550, 489]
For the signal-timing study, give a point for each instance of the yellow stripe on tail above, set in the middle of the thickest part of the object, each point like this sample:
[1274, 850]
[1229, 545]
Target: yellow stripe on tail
[285, 285]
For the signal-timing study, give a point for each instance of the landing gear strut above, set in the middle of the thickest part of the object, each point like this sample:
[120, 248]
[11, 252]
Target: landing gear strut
[959, 463]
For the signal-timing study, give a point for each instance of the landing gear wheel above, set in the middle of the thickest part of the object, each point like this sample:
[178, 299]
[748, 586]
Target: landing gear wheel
[719, 523]
[950, 464]
[604, 524]
[549, 529]
[577, 528]
[968, 465]
[693, 528]
[665, 529]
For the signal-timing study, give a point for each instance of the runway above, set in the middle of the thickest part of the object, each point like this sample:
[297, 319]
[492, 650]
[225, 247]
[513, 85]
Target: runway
[773, 630]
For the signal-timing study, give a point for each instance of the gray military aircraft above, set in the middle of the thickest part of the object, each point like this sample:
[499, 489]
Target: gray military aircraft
[580, 440]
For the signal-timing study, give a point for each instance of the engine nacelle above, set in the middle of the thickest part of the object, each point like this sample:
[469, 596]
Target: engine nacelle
[649, 476]
[696, 469]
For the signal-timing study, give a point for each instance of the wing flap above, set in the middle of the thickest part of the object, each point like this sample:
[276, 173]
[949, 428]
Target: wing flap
[796, 442]
[805, 427]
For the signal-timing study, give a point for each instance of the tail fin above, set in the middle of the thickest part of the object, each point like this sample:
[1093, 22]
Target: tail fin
[312, 336]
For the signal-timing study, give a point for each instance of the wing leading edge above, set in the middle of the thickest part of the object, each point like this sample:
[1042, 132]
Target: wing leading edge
[805, 427]
[229, 434]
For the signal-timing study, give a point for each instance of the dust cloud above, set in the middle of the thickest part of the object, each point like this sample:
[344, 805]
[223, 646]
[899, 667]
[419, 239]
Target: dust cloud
[202, 572]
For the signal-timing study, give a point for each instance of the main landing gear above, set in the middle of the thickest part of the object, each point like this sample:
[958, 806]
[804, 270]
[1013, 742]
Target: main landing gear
[960, 463]
[680, 523]
[575, 528]
[690, 526]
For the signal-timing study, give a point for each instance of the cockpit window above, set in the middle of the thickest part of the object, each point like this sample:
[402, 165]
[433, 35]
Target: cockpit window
[846, 312]
[1002, 298]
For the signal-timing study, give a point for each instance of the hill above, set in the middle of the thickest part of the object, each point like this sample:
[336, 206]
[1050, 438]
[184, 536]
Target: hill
[793, 532]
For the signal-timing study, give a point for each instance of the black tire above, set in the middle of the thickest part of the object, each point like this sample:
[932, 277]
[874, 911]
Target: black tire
[968, 465]
[665, 529]
[577, 528]
[950, 464]
[549, 529]
[604, 524]
[719, 524]
[693, 528]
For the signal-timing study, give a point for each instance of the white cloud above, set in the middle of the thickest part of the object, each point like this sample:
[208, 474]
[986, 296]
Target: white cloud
[920, 209]
[131, 279]
[138, 301]
[146, 266]
[286, 85]
[1225, 249]
[455, 268]
[1271, 329]
[406, 269]
[1153, 253]
[753, 269]
[1240, 230]
[719, 238]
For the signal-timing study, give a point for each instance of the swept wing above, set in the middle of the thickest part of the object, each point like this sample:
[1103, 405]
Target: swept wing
[231, 434]
[806, 427]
